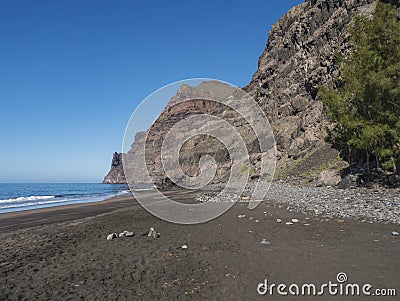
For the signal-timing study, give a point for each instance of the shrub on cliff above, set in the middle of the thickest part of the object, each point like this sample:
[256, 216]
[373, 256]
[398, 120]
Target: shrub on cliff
[365, 105]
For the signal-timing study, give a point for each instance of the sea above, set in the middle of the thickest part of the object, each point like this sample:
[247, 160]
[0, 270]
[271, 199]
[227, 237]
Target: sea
[19, 196]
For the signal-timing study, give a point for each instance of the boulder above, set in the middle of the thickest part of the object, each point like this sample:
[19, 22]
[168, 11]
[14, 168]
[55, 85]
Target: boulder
[329, 177]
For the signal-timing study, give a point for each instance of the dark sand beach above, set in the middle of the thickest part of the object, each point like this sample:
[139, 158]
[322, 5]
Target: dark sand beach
[61, 253]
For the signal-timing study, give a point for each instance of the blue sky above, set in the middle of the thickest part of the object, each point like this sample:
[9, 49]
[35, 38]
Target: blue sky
[72, 72]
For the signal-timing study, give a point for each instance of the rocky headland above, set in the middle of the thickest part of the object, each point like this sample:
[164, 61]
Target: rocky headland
[116, 173]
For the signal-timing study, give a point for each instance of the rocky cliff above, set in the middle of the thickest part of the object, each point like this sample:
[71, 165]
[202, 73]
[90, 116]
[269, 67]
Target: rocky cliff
[116, 174]
[300, 56]
[207, 99]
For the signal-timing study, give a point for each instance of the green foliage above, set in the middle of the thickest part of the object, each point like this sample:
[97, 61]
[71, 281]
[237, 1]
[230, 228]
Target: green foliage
[252, 171]
[366, 103]
[244, 168]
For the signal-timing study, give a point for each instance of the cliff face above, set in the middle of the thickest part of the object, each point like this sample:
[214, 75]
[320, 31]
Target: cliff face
[207, 99]
[300, 55]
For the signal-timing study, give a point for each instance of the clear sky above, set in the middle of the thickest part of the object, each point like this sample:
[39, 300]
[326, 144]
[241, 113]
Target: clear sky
[72, 72]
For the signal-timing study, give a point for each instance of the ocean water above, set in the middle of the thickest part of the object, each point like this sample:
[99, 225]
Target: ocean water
[19, 196]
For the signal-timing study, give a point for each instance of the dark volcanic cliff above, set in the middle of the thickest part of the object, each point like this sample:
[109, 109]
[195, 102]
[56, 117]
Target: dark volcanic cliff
[300, 56]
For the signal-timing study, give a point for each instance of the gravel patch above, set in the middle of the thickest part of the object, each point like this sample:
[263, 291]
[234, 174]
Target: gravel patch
[379, 205]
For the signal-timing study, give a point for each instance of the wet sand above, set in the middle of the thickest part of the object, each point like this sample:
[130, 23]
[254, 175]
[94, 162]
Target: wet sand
[61, 253]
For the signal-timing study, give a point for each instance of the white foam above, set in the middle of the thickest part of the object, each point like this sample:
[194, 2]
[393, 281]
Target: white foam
[43, 200]
[30, 204]
[27, 199]
[123, 192]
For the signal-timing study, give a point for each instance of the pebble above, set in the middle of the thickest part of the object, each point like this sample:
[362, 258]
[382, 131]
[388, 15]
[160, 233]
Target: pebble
[278, 220]
[257, 221]
[184, 247]
[265, 242]
[112, 236]
[306, 224]
[394, 233]
[295, 220]
[153, 233]
[289, 223]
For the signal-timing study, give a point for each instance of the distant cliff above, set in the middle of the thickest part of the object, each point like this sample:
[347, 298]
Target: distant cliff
[116, 173]
[300, 56]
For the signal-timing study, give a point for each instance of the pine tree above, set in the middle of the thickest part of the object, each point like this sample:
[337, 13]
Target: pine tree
[366, 105]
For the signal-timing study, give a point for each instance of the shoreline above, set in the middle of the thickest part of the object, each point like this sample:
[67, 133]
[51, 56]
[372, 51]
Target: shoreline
[281, 195]
[15, 220]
